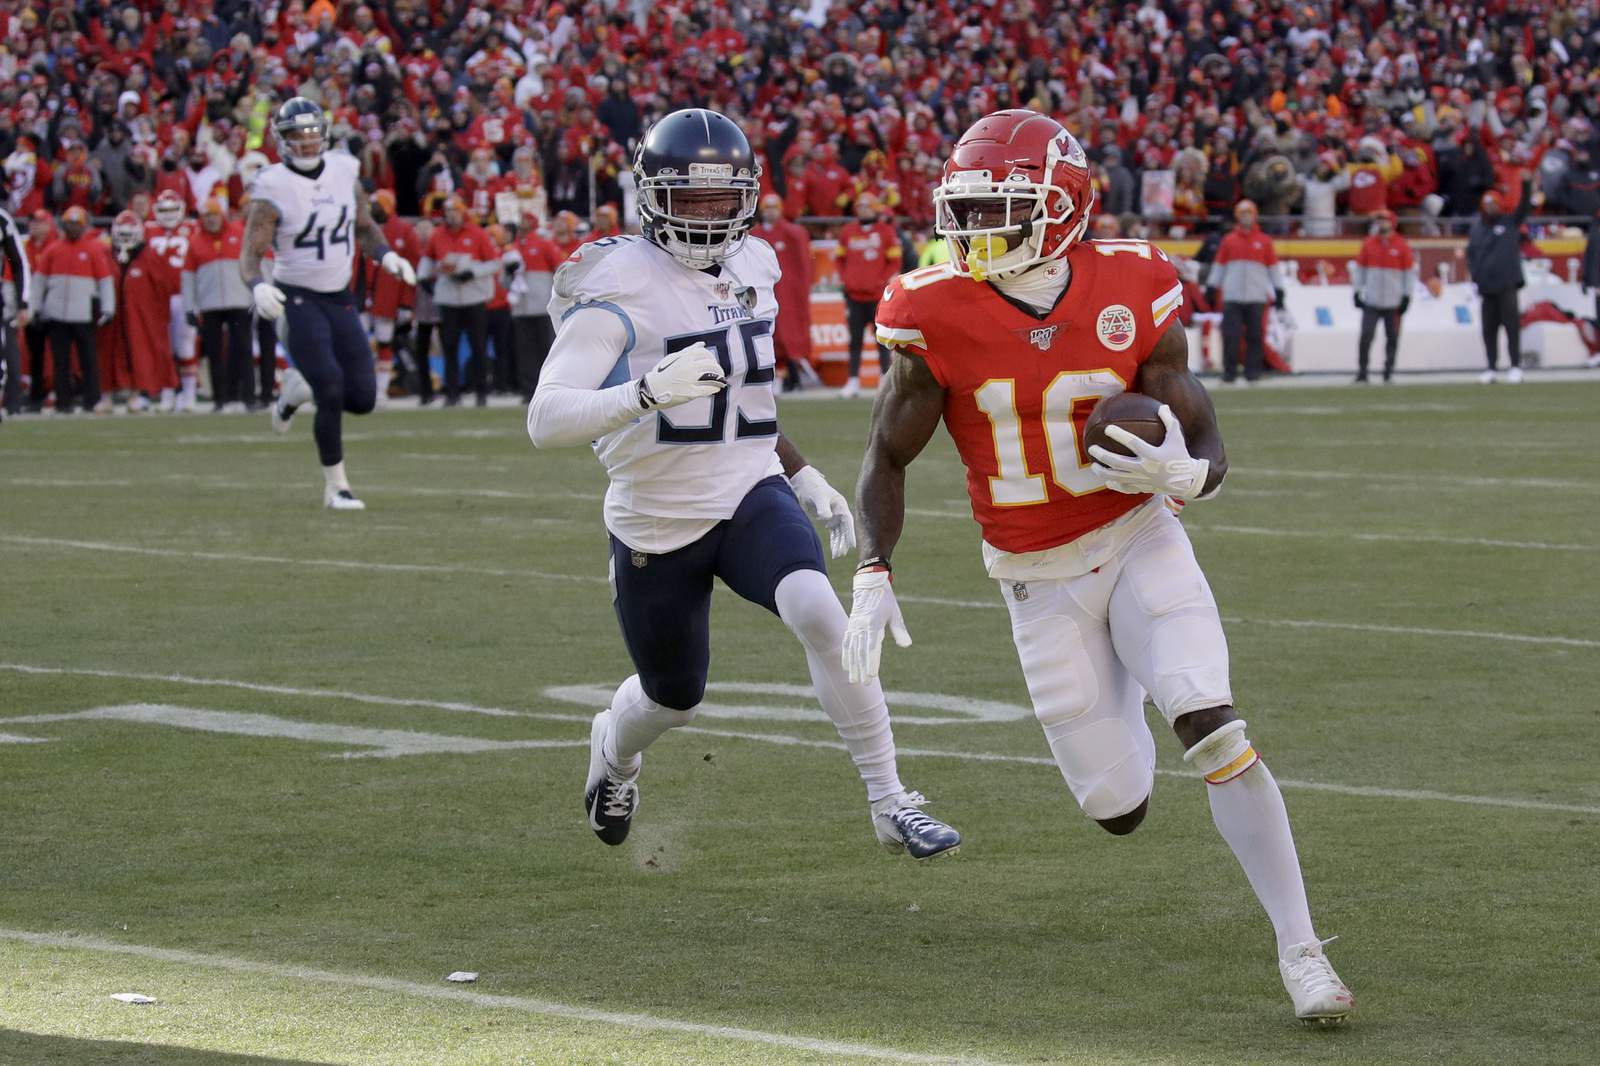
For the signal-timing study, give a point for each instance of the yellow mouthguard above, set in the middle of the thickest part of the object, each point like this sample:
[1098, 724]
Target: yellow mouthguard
[983, 251]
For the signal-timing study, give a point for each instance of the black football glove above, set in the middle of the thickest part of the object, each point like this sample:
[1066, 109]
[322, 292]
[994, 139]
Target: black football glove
[1277, 300]
[1405, 304]
[1359, 301]
[191, 318]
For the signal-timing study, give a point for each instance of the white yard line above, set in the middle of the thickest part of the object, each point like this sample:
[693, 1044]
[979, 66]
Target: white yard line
[782, 739]
[937, 601]
[284, 560]
[524, 1004]
[1396, 538]
[1474, 481]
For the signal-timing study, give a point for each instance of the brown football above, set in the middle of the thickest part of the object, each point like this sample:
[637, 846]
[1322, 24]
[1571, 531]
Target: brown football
[1133, 411]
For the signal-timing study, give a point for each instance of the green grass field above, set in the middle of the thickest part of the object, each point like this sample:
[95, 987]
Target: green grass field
[285, 769]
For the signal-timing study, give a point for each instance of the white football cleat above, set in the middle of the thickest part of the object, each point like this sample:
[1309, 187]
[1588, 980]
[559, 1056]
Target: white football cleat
[1487, 377]
[294, 393]
[1514, 376]
[1320, 998]
[138, 403]
[1593, 361]
[341, 500]
[851, 389]
[168, 402]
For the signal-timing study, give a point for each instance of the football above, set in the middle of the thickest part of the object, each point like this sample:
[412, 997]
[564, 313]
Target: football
[1133, 411]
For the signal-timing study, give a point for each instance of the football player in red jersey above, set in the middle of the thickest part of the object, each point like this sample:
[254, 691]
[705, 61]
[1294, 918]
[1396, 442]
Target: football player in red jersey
[1012, 343]
[168, 234]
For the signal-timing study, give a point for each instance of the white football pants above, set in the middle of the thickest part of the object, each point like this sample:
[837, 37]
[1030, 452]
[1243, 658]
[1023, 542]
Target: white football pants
[1091, 646]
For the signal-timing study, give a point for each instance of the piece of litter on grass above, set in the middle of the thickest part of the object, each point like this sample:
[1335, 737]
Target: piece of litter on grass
[913, 908]
[132, 997]
[463, 977]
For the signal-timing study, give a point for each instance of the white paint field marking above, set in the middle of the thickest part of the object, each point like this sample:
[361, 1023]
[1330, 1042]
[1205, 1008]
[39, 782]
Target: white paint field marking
[938, 601]
[289, 690]
[1396, 538]
[69, 483]
[523, 1004]
[1315, 786]
[783, 740]
[957, 709]
[1427, 481]
[284, 560]
[377, 743]
[12, 738]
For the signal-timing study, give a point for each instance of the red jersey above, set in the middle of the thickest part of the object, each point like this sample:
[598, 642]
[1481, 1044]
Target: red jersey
[138, 342]
[1019, 387]
[792, 245]
[869, 255]
[389, 293]
[171, 247]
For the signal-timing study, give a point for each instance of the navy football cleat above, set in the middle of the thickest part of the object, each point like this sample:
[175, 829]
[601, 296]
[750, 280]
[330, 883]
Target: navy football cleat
[609, 798]
[900, 825]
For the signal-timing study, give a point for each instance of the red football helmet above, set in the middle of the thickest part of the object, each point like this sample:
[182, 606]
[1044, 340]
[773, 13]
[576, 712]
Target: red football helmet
[126, 232]
[1015, 192]
[169, 209]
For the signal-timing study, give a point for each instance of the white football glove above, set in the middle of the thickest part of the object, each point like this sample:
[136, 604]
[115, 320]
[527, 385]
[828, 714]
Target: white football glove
[399, 266]
[827, 505]
[872, 608]
[682, 377]
[269, 300]
[1165, 469]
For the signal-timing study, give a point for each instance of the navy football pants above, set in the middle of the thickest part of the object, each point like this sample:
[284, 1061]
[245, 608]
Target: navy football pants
[663, 602]
[327, 345]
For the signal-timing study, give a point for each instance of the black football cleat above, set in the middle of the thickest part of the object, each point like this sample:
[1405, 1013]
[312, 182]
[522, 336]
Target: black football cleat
[900, 825]
[609, 797]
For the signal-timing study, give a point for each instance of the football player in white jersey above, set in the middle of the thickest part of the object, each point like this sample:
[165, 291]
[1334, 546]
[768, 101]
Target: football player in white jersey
[664, 360]
[311, 211]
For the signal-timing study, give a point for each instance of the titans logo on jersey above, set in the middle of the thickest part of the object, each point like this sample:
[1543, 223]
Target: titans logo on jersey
[698, 460]
[316, 242]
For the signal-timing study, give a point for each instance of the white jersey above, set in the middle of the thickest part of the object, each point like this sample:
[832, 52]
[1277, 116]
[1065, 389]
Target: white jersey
[316, 240]
[674, 473]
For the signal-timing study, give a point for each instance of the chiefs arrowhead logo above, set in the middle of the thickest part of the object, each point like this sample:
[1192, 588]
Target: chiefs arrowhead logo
[1115, 328]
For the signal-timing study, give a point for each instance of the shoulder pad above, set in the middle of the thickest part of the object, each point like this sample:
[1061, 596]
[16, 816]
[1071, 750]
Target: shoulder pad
[590, 273]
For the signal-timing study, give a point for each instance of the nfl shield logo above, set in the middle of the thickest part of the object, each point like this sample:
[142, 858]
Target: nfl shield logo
[1019, 590]
[639, 559]
[1043, 337]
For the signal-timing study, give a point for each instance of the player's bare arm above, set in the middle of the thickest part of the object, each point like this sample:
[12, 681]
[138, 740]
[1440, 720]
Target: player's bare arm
[369, 237]
[260, 230]
[793, 462]
[1165, 376]
[907, 411]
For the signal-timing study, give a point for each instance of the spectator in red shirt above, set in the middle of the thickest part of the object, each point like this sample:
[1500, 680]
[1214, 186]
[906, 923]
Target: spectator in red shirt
[868, 253]
[76, 183]
[792, 335]
[532, 262]
[75, 294]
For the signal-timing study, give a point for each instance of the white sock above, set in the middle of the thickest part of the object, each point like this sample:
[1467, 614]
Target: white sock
[384, 377]
[334, 477]
[1250, 815]
[636, 722]
[810, 608]
[188, 383]
[166, 397]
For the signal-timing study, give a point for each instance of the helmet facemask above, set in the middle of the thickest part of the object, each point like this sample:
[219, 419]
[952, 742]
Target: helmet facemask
[700, 218]
[301, 145]
[997, 229]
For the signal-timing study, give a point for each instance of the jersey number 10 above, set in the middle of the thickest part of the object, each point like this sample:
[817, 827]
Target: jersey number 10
[318, 237]
[715, 430]
[1067, 403]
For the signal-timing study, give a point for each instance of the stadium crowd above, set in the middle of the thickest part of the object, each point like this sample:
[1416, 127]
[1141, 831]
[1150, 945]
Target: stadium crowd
[1333, 111]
